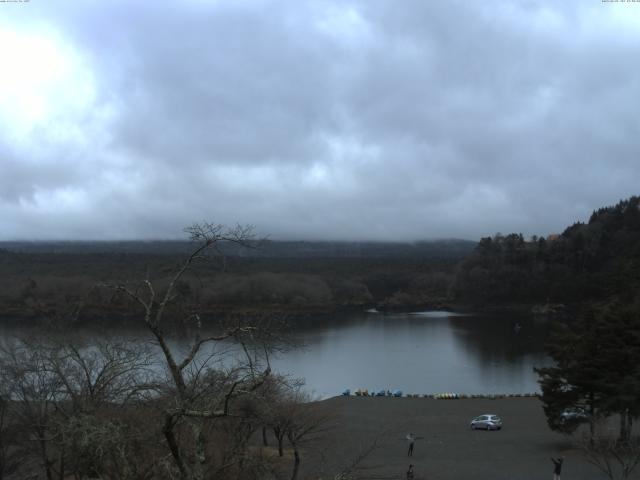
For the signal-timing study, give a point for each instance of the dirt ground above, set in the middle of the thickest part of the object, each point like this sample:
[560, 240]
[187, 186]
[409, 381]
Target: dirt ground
[449, 449]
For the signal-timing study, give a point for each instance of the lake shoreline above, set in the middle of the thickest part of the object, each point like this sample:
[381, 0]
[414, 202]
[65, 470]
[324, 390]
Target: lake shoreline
[106, 315]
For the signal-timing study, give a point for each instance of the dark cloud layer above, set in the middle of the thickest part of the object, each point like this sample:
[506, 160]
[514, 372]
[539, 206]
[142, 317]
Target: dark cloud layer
[333, 120]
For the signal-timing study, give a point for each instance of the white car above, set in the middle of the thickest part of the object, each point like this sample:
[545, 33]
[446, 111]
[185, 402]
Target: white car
[487, 421]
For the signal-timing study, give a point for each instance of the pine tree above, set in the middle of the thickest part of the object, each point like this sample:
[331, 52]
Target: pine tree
[573, 384]
[621, 362]
[597, 368]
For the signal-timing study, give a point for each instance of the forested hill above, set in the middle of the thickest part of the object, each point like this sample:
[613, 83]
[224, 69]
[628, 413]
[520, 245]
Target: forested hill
[292, 277]
[444, 248]
[595, 261]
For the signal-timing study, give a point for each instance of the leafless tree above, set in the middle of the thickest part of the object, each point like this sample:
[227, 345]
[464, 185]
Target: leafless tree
[62, 396]
[616, 458]
[197, 392]
[95, 410]
[32, 388]
[306, 421]
[275, 411]
[358, 469]
[9, 461]
[96, 383]
[103, 373]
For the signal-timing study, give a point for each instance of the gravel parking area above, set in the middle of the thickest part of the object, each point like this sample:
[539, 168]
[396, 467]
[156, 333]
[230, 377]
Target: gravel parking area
[449, 449]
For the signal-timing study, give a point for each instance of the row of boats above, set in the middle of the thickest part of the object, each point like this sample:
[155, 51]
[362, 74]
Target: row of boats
[363, 392]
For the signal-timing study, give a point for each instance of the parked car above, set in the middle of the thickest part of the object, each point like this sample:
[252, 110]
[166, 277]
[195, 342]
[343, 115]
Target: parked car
[487, 421]
[573, 415]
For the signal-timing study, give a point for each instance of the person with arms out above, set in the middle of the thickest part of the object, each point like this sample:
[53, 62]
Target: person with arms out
[411, 439]
[557, 467]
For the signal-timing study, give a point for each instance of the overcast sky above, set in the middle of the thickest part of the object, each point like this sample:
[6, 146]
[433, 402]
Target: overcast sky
[370, 120]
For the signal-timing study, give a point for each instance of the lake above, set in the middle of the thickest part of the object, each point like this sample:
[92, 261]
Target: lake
[424, 352]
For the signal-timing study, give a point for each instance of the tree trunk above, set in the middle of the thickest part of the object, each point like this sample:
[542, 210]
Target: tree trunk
[45, 457]
[167, 430]
[296, 462]
[626, 422]
[198, 468]
[264, 436]
[592, 419]
[61, 473]
[623, 427]
[280, 437]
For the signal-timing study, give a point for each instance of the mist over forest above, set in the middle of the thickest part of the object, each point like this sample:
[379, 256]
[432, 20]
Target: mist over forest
[596, 260]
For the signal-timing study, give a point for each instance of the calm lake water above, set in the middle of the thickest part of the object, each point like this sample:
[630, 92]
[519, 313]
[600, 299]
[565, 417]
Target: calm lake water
[423, 352]
[426, 352]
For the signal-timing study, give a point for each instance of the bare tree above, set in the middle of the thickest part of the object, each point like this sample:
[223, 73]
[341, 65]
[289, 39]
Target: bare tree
[33, 389]
[104, 373]
[358, 469]
[616, 458]
[275, 411]
[9, 461]
[63, 400]
[95, 410]
[97, 382]
[306, 421]
[196, 392]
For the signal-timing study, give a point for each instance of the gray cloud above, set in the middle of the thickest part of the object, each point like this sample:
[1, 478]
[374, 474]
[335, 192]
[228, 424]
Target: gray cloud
[333, 120]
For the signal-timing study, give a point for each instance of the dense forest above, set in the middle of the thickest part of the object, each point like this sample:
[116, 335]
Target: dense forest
[291, 277]
[446, 248]
[594, 261]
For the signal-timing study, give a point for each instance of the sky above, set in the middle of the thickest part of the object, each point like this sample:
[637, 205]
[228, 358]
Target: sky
[329, 120]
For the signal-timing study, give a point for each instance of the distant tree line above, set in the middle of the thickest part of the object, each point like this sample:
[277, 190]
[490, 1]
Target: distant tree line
[290, 285]
[441, 249]
[588, 262]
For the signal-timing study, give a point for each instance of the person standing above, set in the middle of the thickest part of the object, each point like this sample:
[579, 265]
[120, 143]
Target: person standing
[411, 439]
[410, 473]
[557, 467]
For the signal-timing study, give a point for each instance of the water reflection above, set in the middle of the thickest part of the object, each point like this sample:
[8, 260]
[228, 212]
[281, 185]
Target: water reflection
[423, 352]
[426, 352]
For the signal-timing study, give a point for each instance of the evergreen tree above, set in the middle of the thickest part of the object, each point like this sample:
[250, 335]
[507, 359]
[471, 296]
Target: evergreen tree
[573, 383]
[620, 361]
[597, 368]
